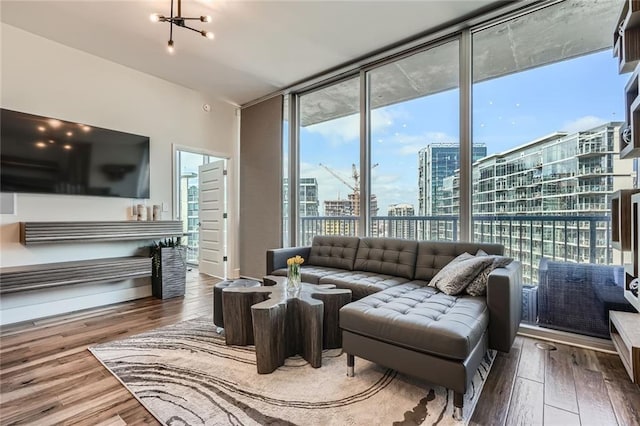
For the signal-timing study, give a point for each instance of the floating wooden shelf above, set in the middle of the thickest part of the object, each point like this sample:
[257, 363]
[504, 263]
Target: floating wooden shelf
[626, 46]
[632, 111]
[34, 277]
[626, 36]
[76, 232]
[621, 219]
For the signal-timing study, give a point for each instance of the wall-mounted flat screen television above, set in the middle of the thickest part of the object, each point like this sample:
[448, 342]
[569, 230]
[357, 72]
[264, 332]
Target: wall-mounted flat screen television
[50, 156]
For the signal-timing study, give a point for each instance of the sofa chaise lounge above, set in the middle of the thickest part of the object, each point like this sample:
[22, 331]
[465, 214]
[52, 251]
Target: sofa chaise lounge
[400, 322]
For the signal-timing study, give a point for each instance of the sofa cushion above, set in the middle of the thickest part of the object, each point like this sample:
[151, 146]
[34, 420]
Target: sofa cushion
[333, 251]
[362, 283]
[309, 273]
[387, 256]
[421, 319]
[434, 255]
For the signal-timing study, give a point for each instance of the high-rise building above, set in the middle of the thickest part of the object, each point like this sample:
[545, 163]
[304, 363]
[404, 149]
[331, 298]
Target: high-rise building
[401, 228]
[308, 202]
[342, 225]
[346, 207]
[436, 162]
[560, 176]
[308, 205]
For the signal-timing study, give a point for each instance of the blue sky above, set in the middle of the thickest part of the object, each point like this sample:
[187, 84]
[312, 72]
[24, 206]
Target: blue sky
[508, 111]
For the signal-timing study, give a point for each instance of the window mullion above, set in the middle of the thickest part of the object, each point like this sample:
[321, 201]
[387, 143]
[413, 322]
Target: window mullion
[364, 220]
[466, 149]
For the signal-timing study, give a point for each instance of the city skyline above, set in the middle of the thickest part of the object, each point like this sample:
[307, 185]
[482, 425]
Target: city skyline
[508, 111]
[415, 205]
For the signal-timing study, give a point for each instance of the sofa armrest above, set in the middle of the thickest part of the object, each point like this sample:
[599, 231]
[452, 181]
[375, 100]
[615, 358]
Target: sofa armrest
[277, 258]
[504, 300]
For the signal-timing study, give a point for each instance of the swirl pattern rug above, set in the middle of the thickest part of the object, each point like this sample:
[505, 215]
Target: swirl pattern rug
[185, 374]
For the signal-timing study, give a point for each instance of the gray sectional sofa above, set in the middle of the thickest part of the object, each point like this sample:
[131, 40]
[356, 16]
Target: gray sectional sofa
[397, 320]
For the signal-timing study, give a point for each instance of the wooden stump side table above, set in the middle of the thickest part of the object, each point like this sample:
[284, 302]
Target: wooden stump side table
[280, 325]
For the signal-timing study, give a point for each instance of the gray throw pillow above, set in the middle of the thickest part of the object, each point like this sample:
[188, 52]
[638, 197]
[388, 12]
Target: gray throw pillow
[456, 276]
[460, 258]
[478, 287]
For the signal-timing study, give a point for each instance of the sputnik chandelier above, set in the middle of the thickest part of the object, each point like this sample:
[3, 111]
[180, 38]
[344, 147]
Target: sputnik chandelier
[180, 21]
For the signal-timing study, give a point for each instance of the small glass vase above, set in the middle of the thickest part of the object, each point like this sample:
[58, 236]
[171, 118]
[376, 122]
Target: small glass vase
[293, 280]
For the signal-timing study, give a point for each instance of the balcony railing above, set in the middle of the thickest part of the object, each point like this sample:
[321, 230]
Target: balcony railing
[589, 235]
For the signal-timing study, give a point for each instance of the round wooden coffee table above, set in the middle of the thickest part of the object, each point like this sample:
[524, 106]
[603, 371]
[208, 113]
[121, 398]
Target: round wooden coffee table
[281, 325]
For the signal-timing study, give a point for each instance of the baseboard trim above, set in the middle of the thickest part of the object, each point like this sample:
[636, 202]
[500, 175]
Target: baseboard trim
[564, 337]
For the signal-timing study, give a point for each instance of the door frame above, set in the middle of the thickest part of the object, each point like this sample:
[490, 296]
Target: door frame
[232, 221]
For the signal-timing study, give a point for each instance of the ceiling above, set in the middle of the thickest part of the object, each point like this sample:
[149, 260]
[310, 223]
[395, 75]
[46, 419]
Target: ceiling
[260, 46]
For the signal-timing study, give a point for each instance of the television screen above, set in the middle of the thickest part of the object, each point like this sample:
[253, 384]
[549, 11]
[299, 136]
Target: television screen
[49, 156]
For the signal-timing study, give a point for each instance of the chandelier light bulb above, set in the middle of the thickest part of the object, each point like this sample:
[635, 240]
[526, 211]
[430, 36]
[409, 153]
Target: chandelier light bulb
[154, 17]
[205, 18]
[170, 47]
[207, 34]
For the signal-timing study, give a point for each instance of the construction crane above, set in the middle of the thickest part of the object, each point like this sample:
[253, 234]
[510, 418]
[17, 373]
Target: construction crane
[354, 197]
[355, 187]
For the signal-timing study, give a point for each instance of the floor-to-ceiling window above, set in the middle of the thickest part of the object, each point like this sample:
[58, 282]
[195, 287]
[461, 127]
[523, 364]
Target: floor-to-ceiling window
[546, 106]
[415, 145]
[549, 114]
[329, 146]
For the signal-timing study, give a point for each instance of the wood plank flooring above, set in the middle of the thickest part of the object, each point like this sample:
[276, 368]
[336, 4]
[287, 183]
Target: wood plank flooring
[567, 386]
[48, 377]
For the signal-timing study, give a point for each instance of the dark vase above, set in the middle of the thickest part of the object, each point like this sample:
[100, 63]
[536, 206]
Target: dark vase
[169, 272]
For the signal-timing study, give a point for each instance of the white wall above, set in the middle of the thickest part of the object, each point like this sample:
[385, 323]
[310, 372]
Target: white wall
[41, 77]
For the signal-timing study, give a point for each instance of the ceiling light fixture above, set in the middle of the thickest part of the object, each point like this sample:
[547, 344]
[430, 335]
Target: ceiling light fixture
[180, 21]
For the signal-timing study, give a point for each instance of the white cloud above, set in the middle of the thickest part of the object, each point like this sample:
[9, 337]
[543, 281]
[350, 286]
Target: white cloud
[347, 129]
[341, 130]
[411, 144]
[583, 123]
[392, 189]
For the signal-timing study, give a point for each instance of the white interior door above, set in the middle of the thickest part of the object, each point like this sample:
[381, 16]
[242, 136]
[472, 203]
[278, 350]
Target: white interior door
[213, 244]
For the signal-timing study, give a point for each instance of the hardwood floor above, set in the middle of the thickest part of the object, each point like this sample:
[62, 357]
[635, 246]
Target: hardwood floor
[567, 386]
[48, 377]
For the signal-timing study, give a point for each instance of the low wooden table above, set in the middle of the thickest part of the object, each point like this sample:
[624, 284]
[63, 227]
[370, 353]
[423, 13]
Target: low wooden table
[281, 325]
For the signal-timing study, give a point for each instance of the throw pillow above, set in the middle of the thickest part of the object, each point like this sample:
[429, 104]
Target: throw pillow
[460, 258]
[456, 276]
[478, 287]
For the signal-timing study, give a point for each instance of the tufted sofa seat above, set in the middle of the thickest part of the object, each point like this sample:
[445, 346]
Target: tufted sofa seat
[398, 321]
[421, 319]
[362, 283]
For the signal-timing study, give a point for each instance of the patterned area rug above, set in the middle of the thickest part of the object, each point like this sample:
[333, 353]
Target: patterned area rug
[184, 374]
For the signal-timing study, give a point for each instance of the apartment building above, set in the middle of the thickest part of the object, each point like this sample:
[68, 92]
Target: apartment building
[401, 228]
[436, 162]
[567, 178]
